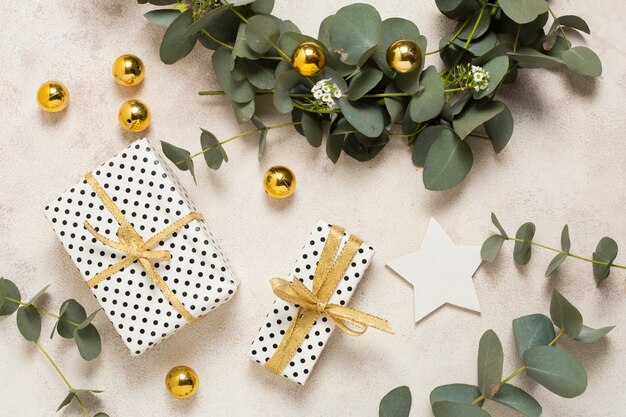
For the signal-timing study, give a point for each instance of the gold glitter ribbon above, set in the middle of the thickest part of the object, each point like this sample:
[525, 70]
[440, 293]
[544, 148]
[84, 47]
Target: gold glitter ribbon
[136, 249]
[313, 304]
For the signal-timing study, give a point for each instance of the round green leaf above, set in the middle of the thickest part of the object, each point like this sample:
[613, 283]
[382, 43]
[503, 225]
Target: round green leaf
[522, 250]
[556, 370]
[176, 44]
[162, 17]
[496, 68]
[448, 162]
[29, 322]
[518, 400]
[458, 393]
[216, 155]
[262, 6]
[396, 106]
[476, 30]
[564, 315]
[427, 103]
[178, 156]
[475, 114]
[243, 111]
[363, 148]
[334, 144]
[397, 403]
[285, 82]
[582, 60]
[423, 142]
[72, 314]
[355, 32]
[364, 82]
[457, 9]
[312, 128]
[490, 362]
[523, 11]
[496, 223]
[261, 33]
[529, 58]
[452, 409]
[532, 330]
[240, 91]
[206, 20]
[555, 263]
[500, 129]
[88, 342]
[606, 251]
[490, 249]
[589, 335]
[9, 289]
[366, 116]
[574, 22]
[241, 49]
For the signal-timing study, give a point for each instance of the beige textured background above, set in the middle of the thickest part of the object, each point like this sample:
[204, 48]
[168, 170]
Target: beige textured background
[565, 164]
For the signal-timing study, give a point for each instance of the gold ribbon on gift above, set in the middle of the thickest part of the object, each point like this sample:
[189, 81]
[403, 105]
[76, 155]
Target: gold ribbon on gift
[137, 249]
[313, 304]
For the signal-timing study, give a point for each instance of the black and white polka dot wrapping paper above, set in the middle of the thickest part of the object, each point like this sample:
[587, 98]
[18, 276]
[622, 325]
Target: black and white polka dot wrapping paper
[151, 198]
[282, 313]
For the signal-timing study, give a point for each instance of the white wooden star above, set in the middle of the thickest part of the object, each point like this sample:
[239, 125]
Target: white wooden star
[440, 272]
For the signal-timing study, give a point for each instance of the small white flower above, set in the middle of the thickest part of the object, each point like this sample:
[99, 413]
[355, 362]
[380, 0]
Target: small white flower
[337, 93]
[327, 97]
[478, 77]
[317, 94]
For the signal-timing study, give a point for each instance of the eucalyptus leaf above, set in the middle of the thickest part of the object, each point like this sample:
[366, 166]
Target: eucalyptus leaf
[523, 11]
[363, 148]
[457, 9]
[475, 28]
[574, 22]
[496, 223]
[37, 296]
[238, 91]
[262, 6]
[88, 342]
[215, 154]
[312, 127]
[285, 82]
[532, 330]
[162, 17]
[522, 250]
[458, 393]
[427, 103]
[29, 322]
[176, 44]
[89, 319]
[496, 68]
[566, 243]
[519, 400]
[334, 144]
[555, 263]
[364, 82]
[10, 290]
[206, 20]
[425, 139]
[71, 315]
[454, 409]
[530, 58]
[67, 400]
[606, 252]
[241, 49]
[564, 315]
[396, 106]
[556, 370]
[500, 129]
[332, 58]
[475, 114]
[448, 162]
[366, 116]
[262, 136]
[262, 33]
[355, 32]
[178, 156]
[589, 335]
[477, 47]
[491, 247]
[582, 60]
[243, 111]
[397, 403]
[490, 363]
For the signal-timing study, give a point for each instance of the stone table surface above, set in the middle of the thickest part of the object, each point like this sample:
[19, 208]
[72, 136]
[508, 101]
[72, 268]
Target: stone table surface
[565, 164]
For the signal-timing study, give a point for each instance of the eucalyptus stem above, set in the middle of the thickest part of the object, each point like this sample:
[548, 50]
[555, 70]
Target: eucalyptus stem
[41, 310]
[582, 258]
[517, 372]
[554, 16]
[65, 380]
[214, 39]
[212, 148]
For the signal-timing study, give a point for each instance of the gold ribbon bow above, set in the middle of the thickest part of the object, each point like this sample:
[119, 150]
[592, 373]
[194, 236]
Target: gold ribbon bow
[312, 304]
[136, 249]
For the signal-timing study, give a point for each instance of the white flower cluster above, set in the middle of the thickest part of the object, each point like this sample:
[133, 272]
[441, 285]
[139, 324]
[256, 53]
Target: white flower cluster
[325, 92]
[480, 78]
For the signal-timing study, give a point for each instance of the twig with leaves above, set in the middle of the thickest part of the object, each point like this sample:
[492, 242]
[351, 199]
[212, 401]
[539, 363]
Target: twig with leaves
[602, 259]
[72, 322]
[542, 361]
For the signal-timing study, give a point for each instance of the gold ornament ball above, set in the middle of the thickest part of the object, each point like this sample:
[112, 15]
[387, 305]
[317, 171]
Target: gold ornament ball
[279, 182]
[404, 56]
[128, 70]
[308, 59]
[134, 116]
[53, 96]
[182, 382]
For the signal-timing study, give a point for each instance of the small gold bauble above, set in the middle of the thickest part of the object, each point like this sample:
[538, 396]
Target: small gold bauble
[134, 116]
[308, 59]
[53, 96]
[182, 382]
[404, 56]
[279, 182]
[128, 70]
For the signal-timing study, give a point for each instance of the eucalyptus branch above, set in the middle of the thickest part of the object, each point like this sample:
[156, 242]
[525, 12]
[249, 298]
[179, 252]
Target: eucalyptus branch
[602, 259]
[41, 310]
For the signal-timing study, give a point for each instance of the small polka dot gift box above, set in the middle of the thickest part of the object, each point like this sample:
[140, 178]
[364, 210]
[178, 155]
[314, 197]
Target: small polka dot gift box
[142, 247]
[312, 302]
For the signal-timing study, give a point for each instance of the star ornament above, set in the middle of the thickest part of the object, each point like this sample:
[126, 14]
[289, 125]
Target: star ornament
[440, 272]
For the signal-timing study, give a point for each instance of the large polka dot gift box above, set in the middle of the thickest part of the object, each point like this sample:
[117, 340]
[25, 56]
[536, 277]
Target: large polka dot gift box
[312, 302]
[141, 246]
